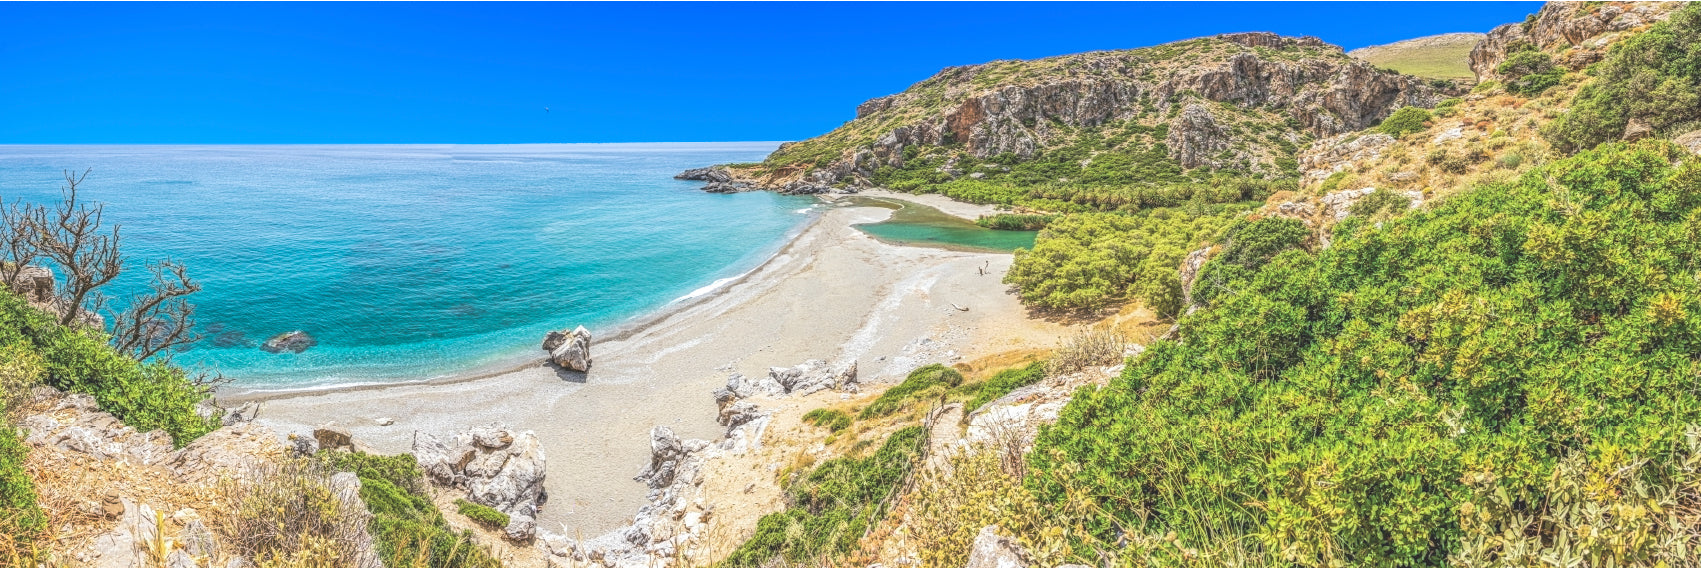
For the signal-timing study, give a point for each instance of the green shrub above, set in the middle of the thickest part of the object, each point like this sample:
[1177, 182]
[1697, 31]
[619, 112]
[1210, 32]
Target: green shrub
[1089, 261]
[1333, 182]
[1528, 72]
[832, 507]
[1015, 222]
[481, 514]
[19, 514]
[1003, 382]
[1653, 77]
[1246, 247]
[1404, 121]
[1379, 201]
[834, 421]
[146, 396]
[1342, 408]
[406, 527]
[925, 380]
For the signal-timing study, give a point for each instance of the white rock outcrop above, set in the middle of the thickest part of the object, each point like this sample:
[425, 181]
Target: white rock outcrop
[498, 468]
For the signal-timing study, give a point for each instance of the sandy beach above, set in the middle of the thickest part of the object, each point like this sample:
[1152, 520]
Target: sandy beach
[833, 293]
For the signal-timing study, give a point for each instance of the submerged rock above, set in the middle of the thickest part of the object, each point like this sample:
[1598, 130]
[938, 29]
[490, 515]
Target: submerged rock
[570, 349]
[294, 342]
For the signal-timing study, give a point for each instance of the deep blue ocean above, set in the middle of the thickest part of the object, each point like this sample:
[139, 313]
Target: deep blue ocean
[419, 261]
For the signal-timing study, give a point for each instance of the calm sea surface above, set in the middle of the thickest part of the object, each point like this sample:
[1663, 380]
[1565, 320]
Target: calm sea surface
[410, 262]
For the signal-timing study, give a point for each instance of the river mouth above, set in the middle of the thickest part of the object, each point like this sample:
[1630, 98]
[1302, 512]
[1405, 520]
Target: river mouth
[914, 224]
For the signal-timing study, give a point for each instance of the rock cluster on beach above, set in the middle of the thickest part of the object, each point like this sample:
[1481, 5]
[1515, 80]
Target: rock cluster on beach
[571, 349]
[498, 467]
[293, 342]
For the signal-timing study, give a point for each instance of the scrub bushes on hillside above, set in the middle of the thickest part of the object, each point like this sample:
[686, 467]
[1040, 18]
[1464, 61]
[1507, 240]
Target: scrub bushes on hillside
[831, 508]
[1089, 261]
[1421, 385]
[1653, 78]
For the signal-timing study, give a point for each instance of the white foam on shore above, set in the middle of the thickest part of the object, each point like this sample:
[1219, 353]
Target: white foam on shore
[716, 285]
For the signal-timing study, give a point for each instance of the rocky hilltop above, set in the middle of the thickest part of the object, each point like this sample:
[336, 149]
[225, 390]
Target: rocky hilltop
[1238, 102]
[1577, 32]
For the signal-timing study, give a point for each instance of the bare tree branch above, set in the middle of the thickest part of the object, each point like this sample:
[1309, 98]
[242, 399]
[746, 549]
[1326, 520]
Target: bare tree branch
[70, 234]
[160, 319]
[17, 241]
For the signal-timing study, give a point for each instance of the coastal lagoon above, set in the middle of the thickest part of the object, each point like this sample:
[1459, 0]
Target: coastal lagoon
[419, 261]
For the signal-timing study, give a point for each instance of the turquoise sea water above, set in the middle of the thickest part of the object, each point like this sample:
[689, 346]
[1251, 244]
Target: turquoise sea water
[410, 262]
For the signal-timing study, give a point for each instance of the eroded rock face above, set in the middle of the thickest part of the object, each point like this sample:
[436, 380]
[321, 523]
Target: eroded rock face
[1318, 87]
[498, 468]
[293, 342]
[1583, 28]
[570, 349]
[1341, 152]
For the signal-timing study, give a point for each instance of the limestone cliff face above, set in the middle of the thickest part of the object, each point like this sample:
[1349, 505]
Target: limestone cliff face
[1578, 32]
[1211, 94]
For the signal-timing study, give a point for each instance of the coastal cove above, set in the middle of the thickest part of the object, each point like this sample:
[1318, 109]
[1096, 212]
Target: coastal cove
[418, 261]
[832, 293]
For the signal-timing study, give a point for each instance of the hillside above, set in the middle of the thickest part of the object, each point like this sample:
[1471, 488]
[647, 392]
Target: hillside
[1233, 103]
[1445, 56]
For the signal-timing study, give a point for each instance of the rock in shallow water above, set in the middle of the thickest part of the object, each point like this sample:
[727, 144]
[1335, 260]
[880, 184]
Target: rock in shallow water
[294, 342]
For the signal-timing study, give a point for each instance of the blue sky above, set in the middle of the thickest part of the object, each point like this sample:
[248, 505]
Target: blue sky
[608, 72]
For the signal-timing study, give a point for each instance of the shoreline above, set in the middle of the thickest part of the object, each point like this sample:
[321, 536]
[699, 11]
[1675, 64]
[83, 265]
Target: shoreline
[832, 293]
[624, 330]
[635, 324]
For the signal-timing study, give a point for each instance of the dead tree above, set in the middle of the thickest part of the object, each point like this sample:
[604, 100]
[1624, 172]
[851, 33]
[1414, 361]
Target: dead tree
[17, 241]
[70, 234]
[158, 320]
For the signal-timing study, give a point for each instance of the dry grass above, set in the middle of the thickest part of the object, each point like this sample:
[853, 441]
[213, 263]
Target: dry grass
[1094, 347]
[289, 514]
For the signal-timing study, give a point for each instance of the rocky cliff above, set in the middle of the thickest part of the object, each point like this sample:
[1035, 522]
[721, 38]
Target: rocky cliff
[1577, 32]
[1229, 102]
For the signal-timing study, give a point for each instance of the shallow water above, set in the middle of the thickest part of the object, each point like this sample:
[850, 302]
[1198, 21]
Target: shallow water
[915, 224]
[411, 262]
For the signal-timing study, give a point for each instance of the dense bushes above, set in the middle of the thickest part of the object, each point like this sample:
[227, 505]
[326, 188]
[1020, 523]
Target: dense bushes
[1404, 121]
[1528, 71]
[925, 380]
[145, 396]
[1653, 78]
[1088, 261]
[1347, 408]
[833, 506]
[1015, 221]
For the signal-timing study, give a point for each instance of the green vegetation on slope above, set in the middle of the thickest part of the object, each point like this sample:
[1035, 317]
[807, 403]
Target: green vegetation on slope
[1653, 78]
[406, 526]
[927, 380]
[832, 507]
[146, 396]
[1423, 388]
